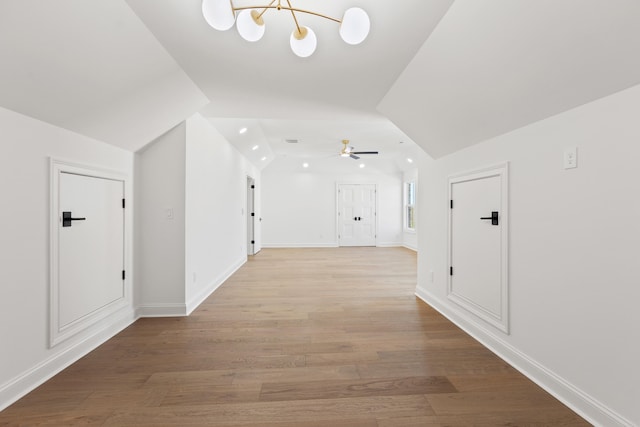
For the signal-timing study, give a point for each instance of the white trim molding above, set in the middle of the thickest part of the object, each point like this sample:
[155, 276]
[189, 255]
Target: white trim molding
[299, 245]
[582, 403]
[58, 332]
[201, 296]
[497, 318]
[24, 383]
[162, 310]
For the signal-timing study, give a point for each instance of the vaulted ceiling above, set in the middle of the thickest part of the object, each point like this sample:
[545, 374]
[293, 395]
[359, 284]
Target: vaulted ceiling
[441, 74]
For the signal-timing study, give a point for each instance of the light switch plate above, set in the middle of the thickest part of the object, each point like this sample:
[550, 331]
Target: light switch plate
[570, 157]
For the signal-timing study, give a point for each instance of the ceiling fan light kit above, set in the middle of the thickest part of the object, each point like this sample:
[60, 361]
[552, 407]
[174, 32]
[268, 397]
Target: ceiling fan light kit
[347, 151]
[222, 14]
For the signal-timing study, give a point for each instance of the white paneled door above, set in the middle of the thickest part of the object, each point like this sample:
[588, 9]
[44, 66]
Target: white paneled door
[251, 216]
[357, 215]
[478, 240]
[90, 272]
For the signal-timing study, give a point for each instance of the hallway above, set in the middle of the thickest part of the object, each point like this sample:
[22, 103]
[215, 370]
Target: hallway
[297, 337]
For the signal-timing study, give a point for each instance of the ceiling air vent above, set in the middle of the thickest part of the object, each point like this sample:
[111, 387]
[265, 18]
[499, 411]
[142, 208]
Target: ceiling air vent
[291, 141]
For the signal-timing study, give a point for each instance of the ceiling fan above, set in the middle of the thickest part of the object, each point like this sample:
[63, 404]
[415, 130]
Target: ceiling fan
[347, 151]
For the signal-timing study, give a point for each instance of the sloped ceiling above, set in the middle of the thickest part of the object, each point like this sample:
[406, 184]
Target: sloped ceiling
[494, 66]
[439, 73]
[91, 67]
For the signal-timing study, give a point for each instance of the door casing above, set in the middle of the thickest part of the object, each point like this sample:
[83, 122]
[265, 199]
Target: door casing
[497, 318]
[57, 331]
[340, 187]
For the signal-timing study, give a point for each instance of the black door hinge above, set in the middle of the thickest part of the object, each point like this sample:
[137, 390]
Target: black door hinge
[451, 204]
[122, 203]
[450, 271]
[253, 214]
[253, 242]
[253, 186]
[123, 275]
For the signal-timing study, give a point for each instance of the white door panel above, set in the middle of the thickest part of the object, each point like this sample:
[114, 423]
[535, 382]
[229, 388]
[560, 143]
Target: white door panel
[87, 286]
[357, 215]
[91, 251]
[477, 246]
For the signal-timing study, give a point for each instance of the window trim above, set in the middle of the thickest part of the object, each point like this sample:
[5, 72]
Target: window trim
[407, 205]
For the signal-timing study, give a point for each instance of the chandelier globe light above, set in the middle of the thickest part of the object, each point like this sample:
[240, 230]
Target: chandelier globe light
[250, 25]
[222, 14]
[218, 14]
[303, 43]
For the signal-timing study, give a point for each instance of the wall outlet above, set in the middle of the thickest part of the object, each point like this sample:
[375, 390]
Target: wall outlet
[168, 213]
[570, 157]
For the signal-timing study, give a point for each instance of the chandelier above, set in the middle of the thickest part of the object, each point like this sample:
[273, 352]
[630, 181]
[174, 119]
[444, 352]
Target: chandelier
[222, 14]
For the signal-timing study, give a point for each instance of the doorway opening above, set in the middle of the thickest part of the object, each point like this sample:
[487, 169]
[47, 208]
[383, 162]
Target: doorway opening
[251, 216]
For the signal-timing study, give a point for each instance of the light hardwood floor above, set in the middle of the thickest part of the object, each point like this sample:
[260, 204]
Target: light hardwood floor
[297, 337]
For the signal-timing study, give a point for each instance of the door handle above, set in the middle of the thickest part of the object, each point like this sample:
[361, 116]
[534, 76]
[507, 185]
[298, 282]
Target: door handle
[493, 218]
[359, 219]
[66, 219]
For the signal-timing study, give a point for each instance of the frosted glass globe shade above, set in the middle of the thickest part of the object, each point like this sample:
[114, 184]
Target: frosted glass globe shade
[355, 26]
[306, 46]
[248, 28]
[218, 13]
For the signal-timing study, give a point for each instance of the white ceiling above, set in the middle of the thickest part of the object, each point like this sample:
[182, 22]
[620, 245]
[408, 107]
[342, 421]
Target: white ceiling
[494, 66]
[447, 74]
[93, 68]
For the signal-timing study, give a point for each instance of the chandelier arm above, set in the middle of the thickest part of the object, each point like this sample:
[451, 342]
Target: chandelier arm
[294, 9]
[294, 17]
[268, 7]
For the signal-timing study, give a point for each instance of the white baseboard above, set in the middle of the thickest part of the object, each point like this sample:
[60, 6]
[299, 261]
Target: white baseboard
[215, 284]
[389, 244]
[299, 245]
[413, 248]
[19, 386]
[162, 310]
[586, 406]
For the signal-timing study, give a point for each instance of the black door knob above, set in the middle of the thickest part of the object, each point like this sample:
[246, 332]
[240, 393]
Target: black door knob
[66, 219]
[493, 218]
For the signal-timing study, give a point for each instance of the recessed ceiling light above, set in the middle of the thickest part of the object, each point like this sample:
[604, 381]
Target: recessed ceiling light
[410, 160]
[264, 158]
[305, 165]
[243, 130]
[361, 165]
[255, 147]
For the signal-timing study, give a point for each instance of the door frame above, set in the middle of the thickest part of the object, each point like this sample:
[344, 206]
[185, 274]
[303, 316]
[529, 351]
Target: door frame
[57, 333]
[251, 220]
[338, 185]
[501, 170]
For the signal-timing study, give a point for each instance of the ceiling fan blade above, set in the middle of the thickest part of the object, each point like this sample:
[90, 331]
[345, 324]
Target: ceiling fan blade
[353, 156]
[364, 152]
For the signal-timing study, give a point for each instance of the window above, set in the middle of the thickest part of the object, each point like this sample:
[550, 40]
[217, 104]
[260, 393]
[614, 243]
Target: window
[410, 205]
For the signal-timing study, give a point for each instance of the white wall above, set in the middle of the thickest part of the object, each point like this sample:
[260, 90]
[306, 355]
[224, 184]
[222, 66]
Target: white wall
[160, 185]
[299, 209]
[196, 173]
[216, 198]
[26, 146]
[574, 250]
[410, 238]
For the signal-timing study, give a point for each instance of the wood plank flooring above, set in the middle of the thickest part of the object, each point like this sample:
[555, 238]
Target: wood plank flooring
[297, 337]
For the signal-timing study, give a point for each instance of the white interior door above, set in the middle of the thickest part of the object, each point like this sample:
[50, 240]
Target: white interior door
[89, 252]
[478, 279]
[251, 216]
[357, 215]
